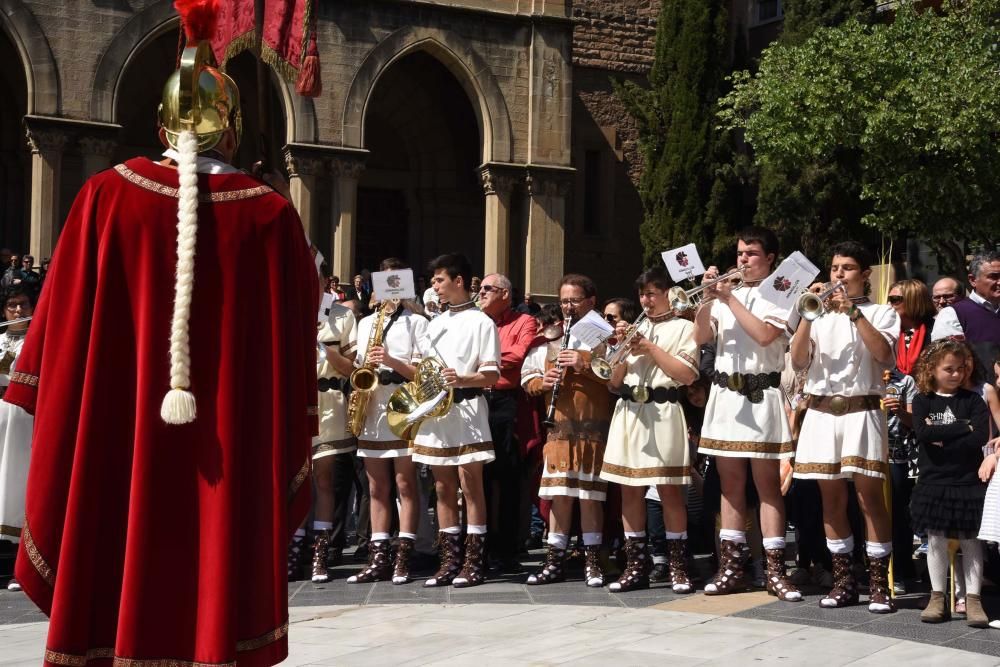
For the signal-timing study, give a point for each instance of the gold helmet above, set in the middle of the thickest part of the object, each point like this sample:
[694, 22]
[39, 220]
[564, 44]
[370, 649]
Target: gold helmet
[199, 97]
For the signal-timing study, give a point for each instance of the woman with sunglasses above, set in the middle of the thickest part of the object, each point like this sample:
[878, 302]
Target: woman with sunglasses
[912, 302]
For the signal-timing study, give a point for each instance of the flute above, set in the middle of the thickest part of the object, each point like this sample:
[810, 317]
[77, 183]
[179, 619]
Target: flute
[550, 417]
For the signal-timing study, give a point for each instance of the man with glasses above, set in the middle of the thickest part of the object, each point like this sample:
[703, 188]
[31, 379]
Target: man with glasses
[976, 320]
[946, 292]
[502, 477]
[574, 450]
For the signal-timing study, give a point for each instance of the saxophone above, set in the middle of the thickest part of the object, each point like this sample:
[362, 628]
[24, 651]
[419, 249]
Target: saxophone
[364, 380]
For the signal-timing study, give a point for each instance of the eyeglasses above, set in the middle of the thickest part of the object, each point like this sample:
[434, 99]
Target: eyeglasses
[895, 299]
[14, 306]
[943, 297]
[611, 318]
[572, 302]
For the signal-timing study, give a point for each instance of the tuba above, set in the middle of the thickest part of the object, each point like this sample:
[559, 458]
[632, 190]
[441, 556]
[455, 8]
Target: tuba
[424, 397]
[364, 380]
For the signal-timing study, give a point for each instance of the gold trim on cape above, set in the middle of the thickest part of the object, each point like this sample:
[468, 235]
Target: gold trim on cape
[36, 558]
[24, 378]
[300, 477]
[204, 197]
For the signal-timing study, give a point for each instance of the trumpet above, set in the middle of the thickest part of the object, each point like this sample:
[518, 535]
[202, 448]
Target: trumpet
[603, 366]
[681, 300]
[812, 306]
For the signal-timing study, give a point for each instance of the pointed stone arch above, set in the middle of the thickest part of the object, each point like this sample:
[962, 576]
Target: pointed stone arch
[17, 21]
[471, 70]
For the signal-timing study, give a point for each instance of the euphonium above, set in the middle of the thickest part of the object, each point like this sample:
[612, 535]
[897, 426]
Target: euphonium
[603, 366]
[681, 300]
[812, 306]
[426, 396]
[364, 380]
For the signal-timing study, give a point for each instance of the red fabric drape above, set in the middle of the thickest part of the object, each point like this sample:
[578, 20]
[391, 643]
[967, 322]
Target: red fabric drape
[907, 355]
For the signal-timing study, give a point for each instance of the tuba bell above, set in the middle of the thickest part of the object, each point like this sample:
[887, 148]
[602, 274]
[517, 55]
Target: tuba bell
[425, 397]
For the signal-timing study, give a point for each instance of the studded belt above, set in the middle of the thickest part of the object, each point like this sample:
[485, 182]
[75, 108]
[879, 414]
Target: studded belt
[646, 394]
[465, 394]
[333, 384]
[751, 385]
[841, 405]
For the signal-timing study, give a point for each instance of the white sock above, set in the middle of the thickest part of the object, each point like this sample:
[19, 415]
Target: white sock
[683, 535]
[377, 537]
[558, 540]
[475, 529]
[322, 525]
[878, 549]
[844, 546]
[636, 534]
[452, 530]
[593, 539]
[972, 565]
[737, 536]
[411, 536]
[938, 562]
[774, 543]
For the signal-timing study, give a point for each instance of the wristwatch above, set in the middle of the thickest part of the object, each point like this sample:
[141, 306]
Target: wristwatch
[854, 313]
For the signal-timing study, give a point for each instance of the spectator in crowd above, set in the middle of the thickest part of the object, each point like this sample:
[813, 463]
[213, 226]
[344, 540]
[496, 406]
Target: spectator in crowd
[474, 288]
[529, 306]
[976, 320]
[13, 265]
[912, 303]
[359, 292]
[336, 290]
[620, 309]
[502, 476]
[946, 292]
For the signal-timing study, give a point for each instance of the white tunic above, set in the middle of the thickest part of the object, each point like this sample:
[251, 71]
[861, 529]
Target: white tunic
[648, 442]
[840, 446]
[339, 331]
[733, 425]
[400, 342]
[465, 339]
[16, 427]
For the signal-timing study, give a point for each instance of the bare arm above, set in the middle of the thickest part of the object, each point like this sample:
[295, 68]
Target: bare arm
[341, 363]
[801, 345]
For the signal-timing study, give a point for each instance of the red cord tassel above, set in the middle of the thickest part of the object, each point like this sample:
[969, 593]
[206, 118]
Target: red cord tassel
[310, 83]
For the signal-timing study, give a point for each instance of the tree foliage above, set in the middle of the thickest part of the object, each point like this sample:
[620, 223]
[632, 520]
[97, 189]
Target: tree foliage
[690, 186]
[911, 104]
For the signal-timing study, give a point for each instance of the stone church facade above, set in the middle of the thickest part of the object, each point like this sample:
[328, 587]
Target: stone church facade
[484, 126]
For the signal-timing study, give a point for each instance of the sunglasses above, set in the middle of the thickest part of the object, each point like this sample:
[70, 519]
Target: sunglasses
[895, 300]
[486, 289]
[611, 318]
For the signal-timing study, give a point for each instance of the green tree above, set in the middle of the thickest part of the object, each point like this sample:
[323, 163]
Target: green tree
[913, 101]
[804, 17]
[690, 186]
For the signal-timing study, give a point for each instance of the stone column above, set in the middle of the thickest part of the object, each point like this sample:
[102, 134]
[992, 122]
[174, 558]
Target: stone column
[548, 191]
[302, 172]
[498, 184]
[47, 145]
[346, 171]
[97, 154]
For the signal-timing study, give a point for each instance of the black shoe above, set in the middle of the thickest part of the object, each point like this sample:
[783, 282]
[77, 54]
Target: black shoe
[510, 565]
[361, 554]
[659, 573]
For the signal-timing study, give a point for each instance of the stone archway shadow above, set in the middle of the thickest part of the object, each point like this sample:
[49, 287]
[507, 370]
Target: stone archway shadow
[44, 93]
[471, 70]
[147, 25]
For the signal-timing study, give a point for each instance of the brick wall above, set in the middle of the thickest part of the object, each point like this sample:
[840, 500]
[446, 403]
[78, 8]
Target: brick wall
[616, 35]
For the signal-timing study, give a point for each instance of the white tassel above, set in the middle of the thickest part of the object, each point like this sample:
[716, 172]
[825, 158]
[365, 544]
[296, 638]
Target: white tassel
[179, 404]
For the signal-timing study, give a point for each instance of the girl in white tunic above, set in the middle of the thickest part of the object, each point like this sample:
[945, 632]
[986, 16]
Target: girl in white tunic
[648, 440]
[386, 457]
[15, 424]
[846, 352]
[458, 443]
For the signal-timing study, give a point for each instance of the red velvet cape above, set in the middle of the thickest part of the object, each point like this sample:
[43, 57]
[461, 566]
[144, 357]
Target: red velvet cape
[146, 541]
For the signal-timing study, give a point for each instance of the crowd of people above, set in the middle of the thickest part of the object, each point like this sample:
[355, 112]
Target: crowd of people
[718, 431]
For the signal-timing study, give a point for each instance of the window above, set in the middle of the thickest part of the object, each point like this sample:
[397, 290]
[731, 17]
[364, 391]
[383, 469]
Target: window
[592, 193]
[765, 11]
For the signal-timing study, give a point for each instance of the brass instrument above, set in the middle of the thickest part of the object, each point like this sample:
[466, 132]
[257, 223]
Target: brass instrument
[681, 300]
[364, 380]
[426, 396]
[603, 366]
[550, 416]
[811, 306]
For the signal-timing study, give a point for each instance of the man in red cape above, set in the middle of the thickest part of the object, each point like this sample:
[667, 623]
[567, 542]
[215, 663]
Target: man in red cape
[156, 527]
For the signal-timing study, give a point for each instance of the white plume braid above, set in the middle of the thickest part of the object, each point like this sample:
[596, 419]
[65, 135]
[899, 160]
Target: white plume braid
[179, 404]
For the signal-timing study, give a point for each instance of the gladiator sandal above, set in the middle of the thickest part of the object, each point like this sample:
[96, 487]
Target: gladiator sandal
[879, 593]
[296, 556]
[401, 571]
[637, 566]
[321, 551]
[593, 574]
[845, 589]
[450, 554]
[778, 584]
[678, 557]
[472, 573]
[553, 570]
[379, 564]
[732, 574]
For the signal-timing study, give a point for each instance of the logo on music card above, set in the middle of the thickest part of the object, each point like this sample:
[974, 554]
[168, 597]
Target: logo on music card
[393, 281]
[682, 258]
[781, 283]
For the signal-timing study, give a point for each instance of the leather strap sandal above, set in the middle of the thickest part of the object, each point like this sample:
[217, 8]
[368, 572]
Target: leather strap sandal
[845, 589]
[732, 575]
[778, 584]
[553, 571]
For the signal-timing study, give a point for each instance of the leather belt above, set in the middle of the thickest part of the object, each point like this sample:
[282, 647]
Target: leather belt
[465, 394]
[841, 405]
[646, 394]
[333, 384]
[751, 385]
[390, 377]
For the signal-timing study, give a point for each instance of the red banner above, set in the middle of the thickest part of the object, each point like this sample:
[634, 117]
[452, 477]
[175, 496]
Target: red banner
[289, 44]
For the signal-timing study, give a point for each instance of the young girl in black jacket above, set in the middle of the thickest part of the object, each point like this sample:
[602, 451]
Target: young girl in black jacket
[951, 427]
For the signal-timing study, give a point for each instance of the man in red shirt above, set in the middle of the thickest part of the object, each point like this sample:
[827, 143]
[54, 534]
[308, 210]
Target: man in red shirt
[503, 475]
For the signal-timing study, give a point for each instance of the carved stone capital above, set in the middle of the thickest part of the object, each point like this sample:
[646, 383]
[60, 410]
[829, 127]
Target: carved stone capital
[99, 147]
[347, 167]
[548, 182]
[498, 180]
[301, 165]
[46, 141]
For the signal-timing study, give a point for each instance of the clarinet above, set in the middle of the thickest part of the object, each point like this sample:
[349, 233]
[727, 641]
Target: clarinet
[550, 417]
